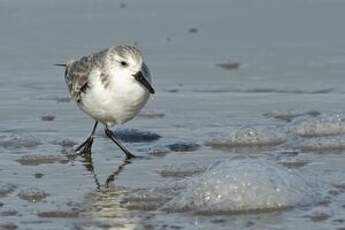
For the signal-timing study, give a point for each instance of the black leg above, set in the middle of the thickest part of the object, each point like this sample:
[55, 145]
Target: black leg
[88, 163]
[87, 144]
[111, 135]
[112, 176]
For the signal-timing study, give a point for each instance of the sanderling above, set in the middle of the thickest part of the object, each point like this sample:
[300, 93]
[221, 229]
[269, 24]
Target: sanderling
[111, 86]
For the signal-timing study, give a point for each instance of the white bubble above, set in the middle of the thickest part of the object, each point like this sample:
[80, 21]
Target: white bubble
[243, 185]
[319, 126]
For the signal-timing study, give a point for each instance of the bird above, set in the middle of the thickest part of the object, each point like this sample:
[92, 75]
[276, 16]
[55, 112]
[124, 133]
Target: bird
[111, 86]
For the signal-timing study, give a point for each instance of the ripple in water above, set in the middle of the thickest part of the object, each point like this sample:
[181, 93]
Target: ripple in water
[323, 143]
[290, 115]
[15, 141]
[245, 185]
[182, 170]
[6, 189]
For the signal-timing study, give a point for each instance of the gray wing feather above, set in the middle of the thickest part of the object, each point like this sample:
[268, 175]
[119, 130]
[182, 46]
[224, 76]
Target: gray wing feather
[77, 73]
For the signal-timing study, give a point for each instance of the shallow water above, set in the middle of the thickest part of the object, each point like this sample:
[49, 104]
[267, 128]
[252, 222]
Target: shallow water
[259, 146]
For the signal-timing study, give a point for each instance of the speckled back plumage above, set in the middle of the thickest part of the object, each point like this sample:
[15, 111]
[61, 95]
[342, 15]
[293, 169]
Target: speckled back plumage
[77, 72]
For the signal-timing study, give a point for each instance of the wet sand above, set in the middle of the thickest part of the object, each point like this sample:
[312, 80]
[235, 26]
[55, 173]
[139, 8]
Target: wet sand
[246, 130]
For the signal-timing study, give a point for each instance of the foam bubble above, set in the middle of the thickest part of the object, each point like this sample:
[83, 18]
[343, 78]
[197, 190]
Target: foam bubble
[33, 195]
[249, 137]
[244, 185]
[319, 126]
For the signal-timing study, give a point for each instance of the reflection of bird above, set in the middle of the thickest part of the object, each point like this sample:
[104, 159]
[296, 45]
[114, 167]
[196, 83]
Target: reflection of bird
[111, 86]
[88, 163]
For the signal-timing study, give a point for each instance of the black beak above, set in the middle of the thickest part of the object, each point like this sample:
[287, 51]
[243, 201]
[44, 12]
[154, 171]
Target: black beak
[140, 78]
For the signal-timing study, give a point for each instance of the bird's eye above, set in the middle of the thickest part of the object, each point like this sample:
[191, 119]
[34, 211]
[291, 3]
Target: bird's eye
[123, 63]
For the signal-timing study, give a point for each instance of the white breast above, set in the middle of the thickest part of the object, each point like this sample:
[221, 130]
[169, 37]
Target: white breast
[117, 103]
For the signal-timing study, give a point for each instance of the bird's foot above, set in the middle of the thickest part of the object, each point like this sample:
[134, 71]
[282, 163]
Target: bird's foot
[85, 147]
[130, 156]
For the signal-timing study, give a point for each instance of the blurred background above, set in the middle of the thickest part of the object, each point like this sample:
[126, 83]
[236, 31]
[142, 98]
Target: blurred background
[234, 79]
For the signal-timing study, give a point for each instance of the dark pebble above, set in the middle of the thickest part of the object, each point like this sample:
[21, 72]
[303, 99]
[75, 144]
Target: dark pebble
[47, 118]
[8, 226]
[123, 5]
[184, 147]
[229, 65]
[38, 175]
[10, 212]
[313, 113]
[250, 223]
[218, 221]
[289, 153]
[172, 90]
[135, 135]
[193, 30]
[339, 221]
[58, 214]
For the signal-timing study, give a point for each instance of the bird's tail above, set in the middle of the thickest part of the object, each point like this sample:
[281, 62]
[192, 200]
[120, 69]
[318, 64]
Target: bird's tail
[66, 66]
[61, 65]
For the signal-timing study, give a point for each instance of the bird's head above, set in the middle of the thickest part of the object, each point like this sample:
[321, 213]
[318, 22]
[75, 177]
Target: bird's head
[128, 62]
